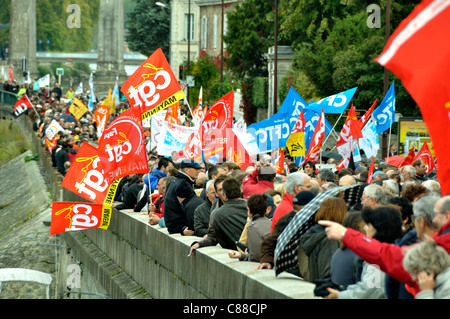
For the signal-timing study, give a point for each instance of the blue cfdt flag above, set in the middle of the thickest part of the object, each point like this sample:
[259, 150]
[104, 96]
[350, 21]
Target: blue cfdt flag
[384, 114]
[272, 133]
[336, 103]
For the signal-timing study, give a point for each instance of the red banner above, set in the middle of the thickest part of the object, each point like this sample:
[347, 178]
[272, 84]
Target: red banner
[316, 141]
[213, 128]
[236, 151]
[408, 158]
[370, 175]
[21, 106]
[101, 116]
[153, 87]
[173, 114]
[192, 149]
[418, 53]
[351, 128]
[121, 148]
[86, 177]
[363, 119]
[71, 216]
[278, 161]
[425, 155]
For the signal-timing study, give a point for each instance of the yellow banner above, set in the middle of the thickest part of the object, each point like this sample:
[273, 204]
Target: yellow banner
[178, 96]
[77, 108]
[296, 144]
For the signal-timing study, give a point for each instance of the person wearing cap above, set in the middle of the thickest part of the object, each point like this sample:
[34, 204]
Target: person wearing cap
[269, 243]
[259, 181]
[295, 183]
[186, 176]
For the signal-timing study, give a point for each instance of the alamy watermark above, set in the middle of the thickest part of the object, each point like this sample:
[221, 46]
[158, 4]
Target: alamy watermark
[74, 20]
[374, 19]
[73, 281]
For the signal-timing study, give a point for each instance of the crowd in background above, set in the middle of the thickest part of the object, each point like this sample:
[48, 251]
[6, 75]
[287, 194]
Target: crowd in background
[396, 233]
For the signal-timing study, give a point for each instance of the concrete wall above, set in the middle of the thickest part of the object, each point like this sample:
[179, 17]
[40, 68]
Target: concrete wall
[135, 260]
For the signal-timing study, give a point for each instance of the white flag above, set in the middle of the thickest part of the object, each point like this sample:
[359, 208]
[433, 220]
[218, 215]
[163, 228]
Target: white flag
[79, 89]
[91, 85]
[369, 143]
[44, 81]
[53, 130]
[115, 94]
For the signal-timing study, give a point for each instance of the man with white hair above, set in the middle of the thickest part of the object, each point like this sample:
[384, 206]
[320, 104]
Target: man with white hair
[432, 186]
[391, 186]
[407, 171]
[202, 213]
[373, 196]
[295, 183]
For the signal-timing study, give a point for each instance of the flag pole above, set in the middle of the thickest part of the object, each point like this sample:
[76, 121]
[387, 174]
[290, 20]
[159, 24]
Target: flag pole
[389, 145]
[187, 103]
[333, 126]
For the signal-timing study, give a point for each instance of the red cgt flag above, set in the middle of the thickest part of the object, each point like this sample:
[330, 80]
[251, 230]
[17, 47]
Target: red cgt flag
[192, 149]
[153, 87]
[213, 129]
[72, 216]
[418, 53]
[425, 155]
[121, 148]
[86, 177]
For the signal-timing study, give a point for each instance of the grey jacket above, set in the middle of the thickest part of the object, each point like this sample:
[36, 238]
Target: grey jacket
[371, 285]
[319, 250]
[227, 224]
[257, 230]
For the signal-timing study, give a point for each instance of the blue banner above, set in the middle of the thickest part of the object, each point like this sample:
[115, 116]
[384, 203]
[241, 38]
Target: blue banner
[336, 103]
[384, 114]
[272, 133]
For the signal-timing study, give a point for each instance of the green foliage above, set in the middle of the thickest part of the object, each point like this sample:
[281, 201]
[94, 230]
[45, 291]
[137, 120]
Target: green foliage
[249, 35]
[12, 141]
[51, 25]
[260, 92]
[148, 27]
[207, 76]
[341, 55]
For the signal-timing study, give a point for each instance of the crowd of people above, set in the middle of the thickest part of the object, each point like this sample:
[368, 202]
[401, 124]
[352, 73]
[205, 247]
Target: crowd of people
[382, 247]
[392, 243]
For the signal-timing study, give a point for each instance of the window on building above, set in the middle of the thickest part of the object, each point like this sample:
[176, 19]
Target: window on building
[215, 32]
[189, 34]
[204, 37]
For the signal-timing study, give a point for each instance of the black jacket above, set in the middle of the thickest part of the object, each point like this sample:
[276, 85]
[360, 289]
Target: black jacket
[189, 206]
[174, 215]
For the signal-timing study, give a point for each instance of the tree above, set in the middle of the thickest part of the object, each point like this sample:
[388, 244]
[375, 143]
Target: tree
[248, 38]
[51, 25]
[207, 76]
[249, 35]
[335, 49]
[148, 28]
